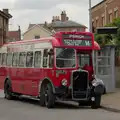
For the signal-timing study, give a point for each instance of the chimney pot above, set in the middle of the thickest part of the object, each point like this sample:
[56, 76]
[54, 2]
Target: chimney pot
[6, 11]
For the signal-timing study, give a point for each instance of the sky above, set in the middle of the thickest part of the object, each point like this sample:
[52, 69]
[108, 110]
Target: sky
[25, 12]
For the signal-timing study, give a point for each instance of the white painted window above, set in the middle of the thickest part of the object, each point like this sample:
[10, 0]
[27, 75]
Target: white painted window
[4, 59]
[9, 59]
[37, 59]
[45, 58]
[22, 59]
[29, 59]
[15, 59]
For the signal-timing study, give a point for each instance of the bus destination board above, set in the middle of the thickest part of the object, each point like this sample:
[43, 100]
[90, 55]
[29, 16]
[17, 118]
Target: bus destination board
[77, 40]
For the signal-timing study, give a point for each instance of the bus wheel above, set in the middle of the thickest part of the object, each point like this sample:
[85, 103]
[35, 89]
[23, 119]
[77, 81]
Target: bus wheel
[8, 90]
[42, 96]
[96, 103]
[49, 96]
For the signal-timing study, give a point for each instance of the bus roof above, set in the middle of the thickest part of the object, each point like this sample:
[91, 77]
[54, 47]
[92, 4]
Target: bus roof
[56, 40]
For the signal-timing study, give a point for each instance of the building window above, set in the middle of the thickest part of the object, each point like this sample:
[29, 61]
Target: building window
[93, 26]
[110, 17]
[97, 23]
[103, 21]
[37, 36]
[116, 13]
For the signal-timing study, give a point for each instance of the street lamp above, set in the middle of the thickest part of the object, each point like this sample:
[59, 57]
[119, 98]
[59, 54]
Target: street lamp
[90, 17]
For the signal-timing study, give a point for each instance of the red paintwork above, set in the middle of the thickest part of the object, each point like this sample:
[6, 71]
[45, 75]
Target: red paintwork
[27, 80]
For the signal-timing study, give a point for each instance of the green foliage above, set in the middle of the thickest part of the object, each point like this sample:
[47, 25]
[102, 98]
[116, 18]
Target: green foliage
[106, 39]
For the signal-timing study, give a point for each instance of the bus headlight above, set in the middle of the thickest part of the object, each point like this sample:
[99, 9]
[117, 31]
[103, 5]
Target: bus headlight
[64, 82]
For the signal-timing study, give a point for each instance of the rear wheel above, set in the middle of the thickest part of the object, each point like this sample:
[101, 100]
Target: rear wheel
[8, 90]
[96, 104]
[49, 96]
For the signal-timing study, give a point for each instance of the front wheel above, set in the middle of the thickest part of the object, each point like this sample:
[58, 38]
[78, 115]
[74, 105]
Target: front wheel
[49, 96]
[96, 103]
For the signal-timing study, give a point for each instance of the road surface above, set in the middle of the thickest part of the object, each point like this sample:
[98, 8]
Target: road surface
[26, 109]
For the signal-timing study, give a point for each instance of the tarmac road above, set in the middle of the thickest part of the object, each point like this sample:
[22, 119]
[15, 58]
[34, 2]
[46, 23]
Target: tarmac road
[27, 109]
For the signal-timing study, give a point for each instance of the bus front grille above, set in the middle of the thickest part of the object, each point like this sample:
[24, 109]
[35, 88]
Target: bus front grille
[79, 84]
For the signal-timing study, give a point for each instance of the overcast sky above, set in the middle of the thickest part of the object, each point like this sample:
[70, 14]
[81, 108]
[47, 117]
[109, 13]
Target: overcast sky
[38, 11]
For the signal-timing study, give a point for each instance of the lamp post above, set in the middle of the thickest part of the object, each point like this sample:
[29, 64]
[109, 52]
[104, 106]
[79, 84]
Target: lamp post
[90, 17]
[90, 29]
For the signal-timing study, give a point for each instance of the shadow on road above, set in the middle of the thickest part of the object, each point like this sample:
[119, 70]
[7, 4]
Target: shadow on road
[110, 109]
[58, 105]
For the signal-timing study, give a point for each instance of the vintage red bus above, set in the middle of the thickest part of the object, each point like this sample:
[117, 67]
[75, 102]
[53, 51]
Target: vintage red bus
[58, 67]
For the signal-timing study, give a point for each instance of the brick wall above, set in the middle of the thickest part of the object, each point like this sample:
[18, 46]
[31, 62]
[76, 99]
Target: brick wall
[105, 10]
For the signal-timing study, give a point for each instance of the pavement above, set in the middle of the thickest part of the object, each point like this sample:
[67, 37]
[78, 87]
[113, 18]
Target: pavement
[111, 101]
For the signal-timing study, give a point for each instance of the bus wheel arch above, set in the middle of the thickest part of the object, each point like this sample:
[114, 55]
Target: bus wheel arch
[45, 82]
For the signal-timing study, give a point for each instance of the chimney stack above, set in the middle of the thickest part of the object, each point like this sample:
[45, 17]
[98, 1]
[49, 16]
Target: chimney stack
[6, 11]
[19, 30]
[63, 16]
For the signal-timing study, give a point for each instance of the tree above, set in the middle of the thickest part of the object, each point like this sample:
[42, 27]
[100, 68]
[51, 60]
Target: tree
[107, 39]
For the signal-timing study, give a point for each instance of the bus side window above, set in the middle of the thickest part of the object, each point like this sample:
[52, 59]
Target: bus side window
[29, 59]
[45, 58]
[9, 59]
[37, 59]
[51, 58]
[15, 59]
[22, 58]
[4, 59]
[0, 58]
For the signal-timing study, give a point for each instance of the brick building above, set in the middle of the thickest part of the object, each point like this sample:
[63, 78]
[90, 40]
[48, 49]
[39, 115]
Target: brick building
[14, 35]
[104, 12]
[4, 23]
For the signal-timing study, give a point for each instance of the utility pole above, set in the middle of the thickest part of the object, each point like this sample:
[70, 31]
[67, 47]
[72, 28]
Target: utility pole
[90, 29]
[90, 17]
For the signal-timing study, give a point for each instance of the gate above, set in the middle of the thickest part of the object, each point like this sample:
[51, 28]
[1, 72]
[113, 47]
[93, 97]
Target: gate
[104, 65]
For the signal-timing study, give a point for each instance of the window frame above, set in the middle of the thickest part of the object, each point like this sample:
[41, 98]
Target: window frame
[17, 60]
[24, 60]
[32, 59]
[47, 57]
[35, 59]
[2, 59]
[10, 59]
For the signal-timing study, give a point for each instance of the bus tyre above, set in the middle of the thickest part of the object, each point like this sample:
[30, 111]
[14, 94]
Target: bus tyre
[49, 96]
[8, 90]
[96, 103]
[42, 96]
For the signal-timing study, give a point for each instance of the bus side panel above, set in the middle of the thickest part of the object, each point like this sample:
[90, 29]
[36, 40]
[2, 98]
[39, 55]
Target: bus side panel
[3, 74]
[32, 76]
[18, 81]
